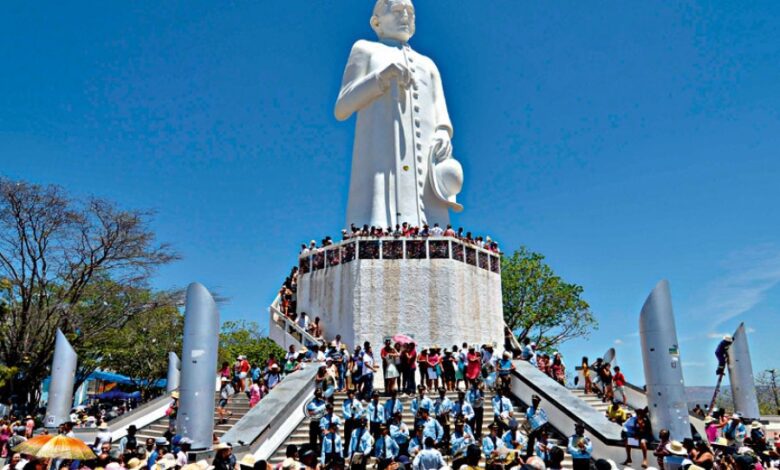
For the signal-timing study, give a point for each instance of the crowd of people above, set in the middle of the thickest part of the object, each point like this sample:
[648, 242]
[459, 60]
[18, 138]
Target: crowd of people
[446, 431]
[403, 230]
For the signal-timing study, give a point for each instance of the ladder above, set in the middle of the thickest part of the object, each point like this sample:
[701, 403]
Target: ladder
[716, 392]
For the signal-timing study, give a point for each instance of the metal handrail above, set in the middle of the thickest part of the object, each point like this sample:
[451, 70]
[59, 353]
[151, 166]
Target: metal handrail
[277, 315]
[323, 249]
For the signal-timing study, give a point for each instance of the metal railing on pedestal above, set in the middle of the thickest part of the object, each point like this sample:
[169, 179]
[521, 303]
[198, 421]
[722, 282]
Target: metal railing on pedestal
[289, 326]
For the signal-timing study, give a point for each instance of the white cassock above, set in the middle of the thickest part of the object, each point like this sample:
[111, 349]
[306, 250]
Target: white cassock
[384, 151]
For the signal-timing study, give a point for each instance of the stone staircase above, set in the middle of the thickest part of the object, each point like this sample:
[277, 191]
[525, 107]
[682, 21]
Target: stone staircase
[300, 435]
[591, 399]
[238, 405]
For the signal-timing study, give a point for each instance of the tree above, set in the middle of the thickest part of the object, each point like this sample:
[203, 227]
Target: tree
[242, 337]
[140, 349]
[540, 305]
[66, 263]
[768, 395]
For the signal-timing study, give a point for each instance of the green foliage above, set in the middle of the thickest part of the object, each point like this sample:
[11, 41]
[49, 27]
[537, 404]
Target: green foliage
[140, 348]
[79, 265]
[242, 337]
[6, 374]
[539, 304]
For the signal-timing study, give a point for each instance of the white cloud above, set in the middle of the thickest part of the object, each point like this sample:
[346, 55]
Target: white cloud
[618, 341]
[750, 329]
[750, 274]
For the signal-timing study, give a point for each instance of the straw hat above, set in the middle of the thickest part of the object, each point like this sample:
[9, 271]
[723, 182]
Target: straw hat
[755, 425]
[175, 394]
[676, 448]
[103, 426]
[222, 446]
[165, 464]
[247, 460]
[288, 464]
[709, 419]
[721, 442]
[133, 463]
[203, 464]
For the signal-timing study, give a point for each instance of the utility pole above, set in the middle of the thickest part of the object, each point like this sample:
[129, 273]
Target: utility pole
[773, 374]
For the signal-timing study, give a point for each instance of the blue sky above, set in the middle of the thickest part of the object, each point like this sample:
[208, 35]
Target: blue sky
[628, 142]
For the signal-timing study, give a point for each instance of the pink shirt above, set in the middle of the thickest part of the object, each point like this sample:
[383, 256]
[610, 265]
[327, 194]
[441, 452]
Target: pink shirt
[712, 433]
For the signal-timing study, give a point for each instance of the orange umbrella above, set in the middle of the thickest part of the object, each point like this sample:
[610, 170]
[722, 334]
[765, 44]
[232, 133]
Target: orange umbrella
[55, 447]
[33, 445]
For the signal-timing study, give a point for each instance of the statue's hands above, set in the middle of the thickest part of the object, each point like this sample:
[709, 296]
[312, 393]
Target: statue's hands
[442, 146]
[396, 71]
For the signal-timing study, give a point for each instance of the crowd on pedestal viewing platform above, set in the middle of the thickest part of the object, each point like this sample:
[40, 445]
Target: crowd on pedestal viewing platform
[404, 231]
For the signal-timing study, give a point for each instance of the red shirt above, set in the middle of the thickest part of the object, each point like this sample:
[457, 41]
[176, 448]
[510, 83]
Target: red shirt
[410, 358]
[619, 380]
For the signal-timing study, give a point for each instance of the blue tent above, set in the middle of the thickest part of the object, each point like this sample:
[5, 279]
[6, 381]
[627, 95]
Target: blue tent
[118, 395]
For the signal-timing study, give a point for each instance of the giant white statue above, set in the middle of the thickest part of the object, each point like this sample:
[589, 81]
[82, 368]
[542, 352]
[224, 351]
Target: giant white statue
[402, 165]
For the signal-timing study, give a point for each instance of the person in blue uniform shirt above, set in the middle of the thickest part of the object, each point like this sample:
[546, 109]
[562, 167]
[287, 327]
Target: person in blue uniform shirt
[543, 446]
[332, 447]
[429, 458]
[462, 408]
[419, 403]
[492, 443]
[400, 432]
[315, 410]
[393, 405]
[476, 398]
[361, 443]
[385, 448]
[514, 438]
[502, 409]
[537, 419]
[417, 442]
[460, 439]
[376, 414]
[431, 427]
[580, 448]
[353, 412]
[442, 407]
[329, 418]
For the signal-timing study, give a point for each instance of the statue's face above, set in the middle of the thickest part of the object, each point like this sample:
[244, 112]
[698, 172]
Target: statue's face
[395, 21]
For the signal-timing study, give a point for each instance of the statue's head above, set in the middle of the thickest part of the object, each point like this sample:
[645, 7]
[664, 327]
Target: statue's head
[393, 19]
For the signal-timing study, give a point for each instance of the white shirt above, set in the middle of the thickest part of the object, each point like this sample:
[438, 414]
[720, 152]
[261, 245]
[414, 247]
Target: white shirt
[437, 231]
[103, 437]
[368, 364]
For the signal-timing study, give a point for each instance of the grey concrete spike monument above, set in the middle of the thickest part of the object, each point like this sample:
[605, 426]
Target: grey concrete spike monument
[174, 372]
[663, 369]
[743, 384]
[63, 376]
[195, 419]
